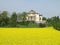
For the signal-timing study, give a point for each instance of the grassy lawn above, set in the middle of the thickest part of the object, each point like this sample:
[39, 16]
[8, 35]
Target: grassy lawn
[29, 36]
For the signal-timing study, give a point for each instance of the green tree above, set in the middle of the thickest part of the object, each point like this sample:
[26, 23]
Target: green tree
[13, 20]
[4, 18]
[44, 18]
[56, 22]
[23, 15]
[53, 20]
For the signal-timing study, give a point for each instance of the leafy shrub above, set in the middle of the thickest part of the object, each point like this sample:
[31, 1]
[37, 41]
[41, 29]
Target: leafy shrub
[57, 26]
[24, 23]
[42, 25]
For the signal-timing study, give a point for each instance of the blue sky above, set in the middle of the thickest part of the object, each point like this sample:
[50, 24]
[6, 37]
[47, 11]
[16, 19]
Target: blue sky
[47, 8]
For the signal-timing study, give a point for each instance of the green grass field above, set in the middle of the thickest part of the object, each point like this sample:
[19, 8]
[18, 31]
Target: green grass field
[29, 36]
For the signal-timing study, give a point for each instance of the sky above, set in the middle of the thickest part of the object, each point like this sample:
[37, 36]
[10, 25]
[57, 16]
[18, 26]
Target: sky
[47, 8]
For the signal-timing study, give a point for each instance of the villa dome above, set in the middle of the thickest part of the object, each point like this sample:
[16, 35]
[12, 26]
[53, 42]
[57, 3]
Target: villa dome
[32, 12]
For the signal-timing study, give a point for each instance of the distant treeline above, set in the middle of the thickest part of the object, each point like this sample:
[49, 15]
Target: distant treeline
[6, 21]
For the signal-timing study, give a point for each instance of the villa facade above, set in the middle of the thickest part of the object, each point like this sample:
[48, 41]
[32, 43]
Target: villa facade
[34, 16]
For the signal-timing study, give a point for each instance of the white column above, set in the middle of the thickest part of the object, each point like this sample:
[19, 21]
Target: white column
[37, 18]
[27, 18]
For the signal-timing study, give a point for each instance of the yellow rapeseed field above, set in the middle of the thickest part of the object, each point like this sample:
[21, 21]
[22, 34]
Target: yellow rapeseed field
[29, 36]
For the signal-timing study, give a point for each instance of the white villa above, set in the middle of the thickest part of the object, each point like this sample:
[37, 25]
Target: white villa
[34, 16]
